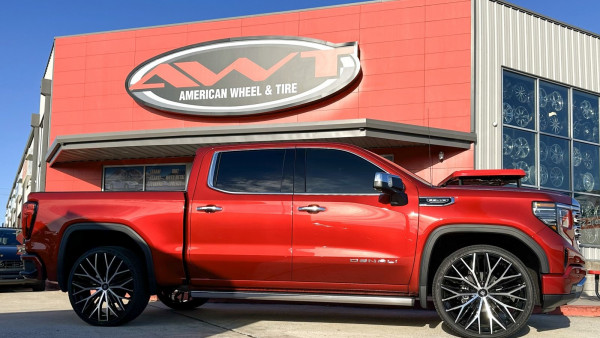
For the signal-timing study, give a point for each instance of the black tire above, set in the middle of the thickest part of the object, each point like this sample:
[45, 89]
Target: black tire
[480, 280]
[178, 299]
[108, 286]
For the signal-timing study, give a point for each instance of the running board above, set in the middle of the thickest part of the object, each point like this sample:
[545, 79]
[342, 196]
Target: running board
[307, 297]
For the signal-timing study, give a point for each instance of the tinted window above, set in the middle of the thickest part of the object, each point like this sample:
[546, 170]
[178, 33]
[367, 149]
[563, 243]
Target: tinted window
[252, 171]
[8, 237]
[330, 171]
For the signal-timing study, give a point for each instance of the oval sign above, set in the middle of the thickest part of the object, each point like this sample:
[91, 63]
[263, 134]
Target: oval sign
[244, 76]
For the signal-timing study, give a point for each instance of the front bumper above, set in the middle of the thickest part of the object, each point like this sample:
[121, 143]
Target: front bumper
[562, 290]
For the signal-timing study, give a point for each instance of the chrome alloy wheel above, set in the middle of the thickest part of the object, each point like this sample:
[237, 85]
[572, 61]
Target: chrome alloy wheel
[107, 286]
[483, 291]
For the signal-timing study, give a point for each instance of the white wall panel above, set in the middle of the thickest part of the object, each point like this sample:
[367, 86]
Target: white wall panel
[508, 37]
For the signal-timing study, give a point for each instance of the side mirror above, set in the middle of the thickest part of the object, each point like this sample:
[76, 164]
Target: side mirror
[388, 184]
[392, 188]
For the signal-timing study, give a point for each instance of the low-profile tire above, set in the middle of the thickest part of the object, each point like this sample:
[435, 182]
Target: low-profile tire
[484, 291]
[108, 286]
[178, 299]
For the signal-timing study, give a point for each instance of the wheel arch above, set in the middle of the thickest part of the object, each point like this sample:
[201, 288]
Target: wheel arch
[469, 233]
[81, 237]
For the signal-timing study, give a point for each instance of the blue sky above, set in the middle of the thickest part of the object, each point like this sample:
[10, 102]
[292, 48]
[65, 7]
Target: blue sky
[29, 27]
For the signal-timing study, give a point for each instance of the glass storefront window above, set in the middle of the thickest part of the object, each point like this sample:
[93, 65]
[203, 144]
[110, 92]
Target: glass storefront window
[129, 178]
[518, 101]
[554, 109]
[590, 220]
[165, 177]
[159, 177]
[585, 168]
[519, 152]
[585, 116]
[555, 157]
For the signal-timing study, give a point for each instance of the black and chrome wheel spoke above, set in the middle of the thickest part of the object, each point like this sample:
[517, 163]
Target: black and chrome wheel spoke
[484, 293]
[102, 294]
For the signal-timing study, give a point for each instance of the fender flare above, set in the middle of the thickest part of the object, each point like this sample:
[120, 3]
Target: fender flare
[473, 228]
[113, 227]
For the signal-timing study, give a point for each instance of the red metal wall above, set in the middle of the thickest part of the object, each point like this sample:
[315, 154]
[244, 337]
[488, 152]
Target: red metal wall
[415, 58]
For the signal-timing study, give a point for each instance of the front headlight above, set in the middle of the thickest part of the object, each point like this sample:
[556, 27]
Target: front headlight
[562, 218]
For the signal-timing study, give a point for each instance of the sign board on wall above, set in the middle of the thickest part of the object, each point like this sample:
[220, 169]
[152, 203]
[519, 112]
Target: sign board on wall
[244, 76]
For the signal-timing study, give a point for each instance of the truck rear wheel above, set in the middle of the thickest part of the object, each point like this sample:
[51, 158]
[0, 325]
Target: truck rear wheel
[108, 286]
[178, 299]
[484, 291]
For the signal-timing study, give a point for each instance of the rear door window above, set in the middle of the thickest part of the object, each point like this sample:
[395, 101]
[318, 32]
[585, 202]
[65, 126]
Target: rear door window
[265, 171]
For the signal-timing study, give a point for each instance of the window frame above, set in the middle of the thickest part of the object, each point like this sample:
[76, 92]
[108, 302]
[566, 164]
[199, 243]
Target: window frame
[188, 167]
[213, 165]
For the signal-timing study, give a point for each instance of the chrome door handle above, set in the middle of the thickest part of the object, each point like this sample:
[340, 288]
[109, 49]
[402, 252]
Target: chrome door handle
[209, 208]
[312, 209]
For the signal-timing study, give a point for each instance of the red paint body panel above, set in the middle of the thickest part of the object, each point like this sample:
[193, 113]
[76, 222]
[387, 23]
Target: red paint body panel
[157, 217]
[262, 242]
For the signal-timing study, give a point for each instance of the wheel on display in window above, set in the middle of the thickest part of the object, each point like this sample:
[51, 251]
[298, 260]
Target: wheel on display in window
[556, 100]
[588, 182]
[543, 152]
[587, 159]
[555, 126]
[522, 116]
[556, 177]
[587, 111]
[543, 175]
[484, 291]
[507, 113]
[576, 157]
[507, 145]
[587, 209]
[543, 98]
[521, 93]
[526, 168]
[587, 131]
[520, 148]
[590, 235]
[556, 153]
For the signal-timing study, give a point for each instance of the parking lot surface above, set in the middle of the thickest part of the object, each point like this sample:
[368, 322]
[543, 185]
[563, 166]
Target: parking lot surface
[49, 314]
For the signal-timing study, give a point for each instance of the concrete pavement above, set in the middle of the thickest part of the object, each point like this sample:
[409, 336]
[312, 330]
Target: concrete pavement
[49, 314]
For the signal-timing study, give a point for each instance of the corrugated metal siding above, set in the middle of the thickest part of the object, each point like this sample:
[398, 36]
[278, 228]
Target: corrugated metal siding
[508, 37]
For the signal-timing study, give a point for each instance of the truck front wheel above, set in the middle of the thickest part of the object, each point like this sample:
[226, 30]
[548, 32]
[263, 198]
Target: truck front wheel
[483, 291]
[108, 286]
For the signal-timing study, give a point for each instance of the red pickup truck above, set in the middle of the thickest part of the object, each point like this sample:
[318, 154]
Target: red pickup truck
[311, 222]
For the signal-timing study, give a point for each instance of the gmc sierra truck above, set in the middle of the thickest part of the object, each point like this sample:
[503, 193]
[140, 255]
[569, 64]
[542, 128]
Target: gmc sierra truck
[312, 222]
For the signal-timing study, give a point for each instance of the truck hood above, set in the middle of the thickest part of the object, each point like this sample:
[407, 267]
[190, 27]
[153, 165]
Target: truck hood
[8, 253]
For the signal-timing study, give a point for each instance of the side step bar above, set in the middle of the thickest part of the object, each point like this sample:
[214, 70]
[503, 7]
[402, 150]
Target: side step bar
[307, 297]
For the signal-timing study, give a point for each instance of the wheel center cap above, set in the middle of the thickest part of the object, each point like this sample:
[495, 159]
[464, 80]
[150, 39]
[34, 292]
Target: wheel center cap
[482, 293]
[104, 286]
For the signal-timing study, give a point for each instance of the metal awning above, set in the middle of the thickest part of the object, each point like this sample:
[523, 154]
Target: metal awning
[183, 142]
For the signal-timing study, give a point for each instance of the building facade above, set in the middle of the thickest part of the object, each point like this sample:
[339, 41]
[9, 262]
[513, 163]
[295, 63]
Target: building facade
[434, 85]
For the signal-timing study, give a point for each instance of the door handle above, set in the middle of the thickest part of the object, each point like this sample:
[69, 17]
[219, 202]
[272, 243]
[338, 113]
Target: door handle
[312, 209]
[209, 208]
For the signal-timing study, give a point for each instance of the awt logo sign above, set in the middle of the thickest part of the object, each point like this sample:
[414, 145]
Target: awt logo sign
[244, 76]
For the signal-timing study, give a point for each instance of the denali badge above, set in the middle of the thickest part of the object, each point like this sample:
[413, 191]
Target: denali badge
[374, 260]
[244, 76]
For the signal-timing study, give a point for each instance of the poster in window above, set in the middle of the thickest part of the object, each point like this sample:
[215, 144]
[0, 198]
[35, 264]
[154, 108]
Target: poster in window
[165, 177]
[124, 178]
